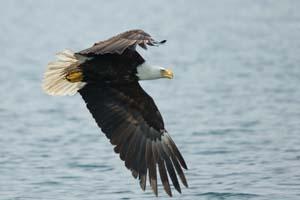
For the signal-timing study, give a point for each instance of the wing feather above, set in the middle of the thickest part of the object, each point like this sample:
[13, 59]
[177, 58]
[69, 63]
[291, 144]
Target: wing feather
[164, 177]
[130, 119]
[119, 43]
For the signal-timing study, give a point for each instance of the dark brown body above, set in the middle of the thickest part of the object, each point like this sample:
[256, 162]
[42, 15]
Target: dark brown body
[112, 68]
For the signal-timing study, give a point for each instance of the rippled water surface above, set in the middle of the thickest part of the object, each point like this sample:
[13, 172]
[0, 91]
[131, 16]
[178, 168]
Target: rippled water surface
[233, 108]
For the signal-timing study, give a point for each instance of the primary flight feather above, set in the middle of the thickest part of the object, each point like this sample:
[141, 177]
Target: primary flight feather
[106, 75]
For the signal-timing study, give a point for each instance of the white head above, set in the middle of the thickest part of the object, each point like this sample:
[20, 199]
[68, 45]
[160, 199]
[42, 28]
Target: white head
[150, 72]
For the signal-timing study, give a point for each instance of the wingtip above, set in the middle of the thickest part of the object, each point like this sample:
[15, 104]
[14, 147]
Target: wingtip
[157, 43]
[186, 185]
[134, 173]
[156, 192]
[169, 192]
[143, 182]
[184, 165]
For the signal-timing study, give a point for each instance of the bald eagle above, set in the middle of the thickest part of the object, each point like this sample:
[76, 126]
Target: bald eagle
[107, 77]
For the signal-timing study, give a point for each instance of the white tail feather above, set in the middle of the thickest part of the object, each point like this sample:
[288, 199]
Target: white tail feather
[55, 82]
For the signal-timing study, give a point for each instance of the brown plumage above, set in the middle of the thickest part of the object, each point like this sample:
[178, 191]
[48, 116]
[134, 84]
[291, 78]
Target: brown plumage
[130, 119]
[117, 44]
[126, 114]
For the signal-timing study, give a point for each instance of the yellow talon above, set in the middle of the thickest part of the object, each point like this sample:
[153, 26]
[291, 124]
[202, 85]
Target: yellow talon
[74, 77]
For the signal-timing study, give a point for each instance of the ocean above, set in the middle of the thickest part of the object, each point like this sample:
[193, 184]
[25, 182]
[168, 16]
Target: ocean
[233, 107]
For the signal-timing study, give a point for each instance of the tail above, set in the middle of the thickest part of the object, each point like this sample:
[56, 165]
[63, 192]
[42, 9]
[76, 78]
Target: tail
[63, 77]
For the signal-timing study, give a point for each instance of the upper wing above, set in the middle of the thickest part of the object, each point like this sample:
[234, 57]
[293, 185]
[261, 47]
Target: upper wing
[130, 119]
[119, 43]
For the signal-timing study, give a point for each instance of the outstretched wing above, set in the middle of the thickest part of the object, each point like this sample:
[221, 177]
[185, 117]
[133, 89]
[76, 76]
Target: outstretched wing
[130, 119]
[118, 43]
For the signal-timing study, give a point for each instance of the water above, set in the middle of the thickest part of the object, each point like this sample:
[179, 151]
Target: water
[233, 108]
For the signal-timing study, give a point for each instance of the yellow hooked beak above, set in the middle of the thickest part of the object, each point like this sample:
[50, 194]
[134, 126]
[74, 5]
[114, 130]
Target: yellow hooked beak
[166, 73]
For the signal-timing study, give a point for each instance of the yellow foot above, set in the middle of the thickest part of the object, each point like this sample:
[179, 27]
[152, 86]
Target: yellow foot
[74, 77]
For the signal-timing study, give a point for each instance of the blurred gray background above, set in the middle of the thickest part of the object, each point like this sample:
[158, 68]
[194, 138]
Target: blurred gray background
[233, 108]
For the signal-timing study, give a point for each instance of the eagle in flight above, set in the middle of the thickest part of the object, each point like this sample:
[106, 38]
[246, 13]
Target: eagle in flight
[107, 77]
